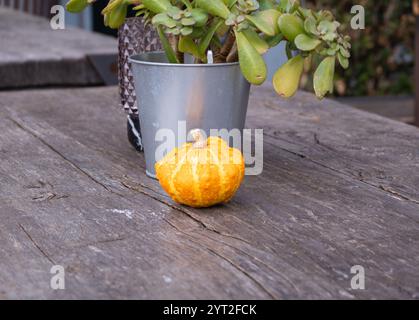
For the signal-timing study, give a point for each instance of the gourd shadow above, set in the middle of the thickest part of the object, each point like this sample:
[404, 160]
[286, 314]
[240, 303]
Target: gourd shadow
[214, 210]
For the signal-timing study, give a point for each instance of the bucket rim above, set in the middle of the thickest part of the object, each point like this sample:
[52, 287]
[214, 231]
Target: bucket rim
[136, 59]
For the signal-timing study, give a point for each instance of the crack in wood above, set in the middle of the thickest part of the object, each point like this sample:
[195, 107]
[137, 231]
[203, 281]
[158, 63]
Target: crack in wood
[316, 138]
[87, 174]
[321, 144]
[48, 196]
[238, 249]
[37, 246]
[354, 176]
[244, 272]
[181, 210]
[39, 185]
[100, 242]
[214, 252]
[46, 192]
[397, 194]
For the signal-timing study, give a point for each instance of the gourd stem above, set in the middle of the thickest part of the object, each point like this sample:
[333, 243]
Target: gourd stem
[199, 139]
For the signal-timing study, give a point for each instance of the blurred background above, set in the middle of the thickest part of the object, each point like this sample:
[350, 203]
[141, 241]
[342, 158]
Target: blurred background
[383, 57]
[382, 72]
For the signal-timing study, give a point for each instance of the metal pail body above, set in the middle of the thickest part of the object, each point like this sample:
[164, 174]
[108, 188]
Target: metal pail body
[204, 96]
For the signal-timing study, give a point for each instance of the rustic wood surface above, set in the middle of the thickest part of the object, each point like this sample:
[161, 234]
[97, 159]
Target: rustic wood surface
[400, 108]
[340, 188]
[417, 66]
[32, 54]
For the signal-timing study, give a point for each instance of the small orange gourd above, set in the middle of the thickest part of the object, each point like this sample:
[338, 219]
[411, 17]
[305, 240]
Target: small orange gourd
[203, 173]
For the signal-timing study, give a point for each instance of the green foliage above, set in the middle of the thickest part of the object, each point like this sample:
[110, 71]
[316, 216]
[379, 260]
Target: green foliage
[382, 54]
[77, 5]
[287, 78]
[242, 30]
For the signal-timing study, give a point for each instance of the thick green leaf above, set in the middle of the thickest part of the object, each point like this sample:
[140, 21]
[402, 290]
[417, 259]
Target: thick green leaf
[274, 41]
[198, 33]
[174, 12]
[188, 4]
[215, 7]
[344, 52]
[157, 6]
[266, 21]
[310, 25]
[267, 4]
[252, 64]
[117, 16]
[200, 17]
[323, 77]
[288, 6]
[187, 45]
[331, 51]
[306, 43]
[287, 78]
[188, 21]
[291, 26]
[256, 41]
[344, 62]
[205, 42]
[170, 53]
[186, 31]
[163, 19]
[283, 4]
[230, 3]
[327, 26]
[76, 6]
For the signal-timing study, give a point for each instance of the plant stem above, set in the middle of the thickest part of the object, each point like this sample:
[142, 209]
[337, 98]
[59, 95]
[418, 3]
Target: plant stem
[180, 55]
[174, 43]
[233, 56]
[215, 49]
[170, 53]
[226, 48]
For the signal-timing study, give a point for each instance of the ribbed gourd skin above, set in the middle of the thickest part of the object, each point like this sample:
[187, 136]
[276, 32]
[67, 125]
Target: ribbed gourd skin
[202, 177]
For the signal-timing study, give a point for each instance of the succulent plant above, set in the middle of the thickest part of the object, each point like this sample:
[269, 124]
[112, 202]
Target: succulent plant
[242, 30]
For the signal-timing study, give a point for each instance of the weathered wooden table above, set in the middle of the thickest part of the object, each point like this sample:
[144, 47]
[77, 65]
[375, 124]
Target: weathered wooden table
[340, 188]
[33, 55]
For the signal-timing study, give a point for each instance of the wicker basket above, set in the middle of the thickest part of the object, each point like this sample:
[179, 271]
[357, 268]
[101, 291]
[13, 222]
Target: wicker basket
[133, 37]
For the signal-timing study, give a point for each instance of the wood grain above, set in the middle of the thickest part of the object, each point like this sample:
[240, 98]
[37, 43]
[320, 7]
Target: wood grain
[32, 54]
[339, 188]
[417, 66]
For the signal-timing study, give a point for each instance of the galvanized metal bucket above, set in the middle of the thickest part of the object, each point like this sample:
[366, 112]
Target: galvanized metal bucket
[205, 96]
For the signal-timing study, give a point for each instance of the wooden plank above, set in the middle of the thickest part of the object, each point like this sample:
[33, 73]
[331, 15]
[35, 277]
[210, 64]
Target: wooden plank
[34, 55]
[400, 108]
[17, 250]
[293, 232]
[417, 66]
[366, 147]
[112, 243]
